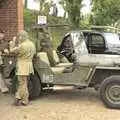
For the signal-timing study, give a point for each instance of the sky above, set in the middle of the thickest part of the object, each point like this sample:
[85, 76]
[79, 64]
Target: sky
[85, 9]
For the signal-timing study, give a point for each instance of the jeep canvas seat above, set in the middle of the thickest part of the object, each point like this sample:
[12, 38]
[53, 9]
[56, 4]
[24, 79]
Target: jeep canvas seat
[44, 63]
[68, 64]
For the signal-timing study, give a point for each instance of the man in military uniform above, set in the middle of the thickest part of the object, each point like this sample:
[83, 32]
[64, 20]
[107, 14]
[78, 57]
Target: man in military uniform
[3, 46]
[25, 52]
[45, 44]
[66, 48]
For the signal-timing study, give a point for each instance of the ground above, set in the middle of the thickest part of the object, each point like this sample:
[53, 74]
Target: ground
[59, 105]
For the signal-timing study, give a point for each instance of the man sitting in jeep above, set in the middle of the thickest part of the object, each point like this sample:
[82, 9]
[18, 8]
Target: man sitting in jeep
[66, 48]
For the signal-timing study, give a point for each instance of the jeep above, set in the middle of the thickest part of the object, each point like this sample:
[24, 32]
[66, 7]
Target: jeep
[99, 71]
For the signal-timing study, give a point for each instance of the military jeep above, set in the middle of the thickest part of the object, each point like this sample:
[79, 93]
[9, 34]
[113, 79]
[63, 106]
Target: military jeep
[99, 71]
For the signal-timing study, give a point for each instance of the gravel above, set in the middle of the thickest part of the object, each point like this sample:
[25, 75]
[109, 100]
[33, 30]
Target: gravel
[59, 105]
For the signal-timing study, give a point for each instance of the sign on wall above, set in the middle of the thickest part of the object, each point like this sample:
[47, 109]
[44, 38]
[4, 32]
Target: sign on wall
[42, 20]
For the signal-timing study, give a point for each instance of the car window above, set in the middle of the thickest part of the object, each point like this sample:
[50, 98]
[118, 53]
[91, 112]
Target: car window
[112, 38]
[97, 40]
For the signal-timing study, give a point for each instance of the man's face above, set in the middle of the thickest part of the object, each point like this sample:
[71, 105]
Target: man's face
[2, 36]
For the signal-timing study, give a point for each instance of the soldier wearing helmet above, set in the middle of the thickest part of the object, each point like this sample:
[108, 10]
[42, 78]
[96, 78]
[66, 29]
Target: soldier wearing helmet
[45, 44]
[25, 52]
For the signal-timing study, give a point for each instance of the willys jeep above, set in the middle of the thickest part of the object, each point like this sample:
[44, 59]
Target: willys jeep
[99, 71]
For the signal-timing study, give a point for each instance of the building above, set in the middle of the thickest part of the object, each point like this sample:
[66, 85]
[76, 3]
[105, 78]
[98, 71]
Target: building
[11, 17]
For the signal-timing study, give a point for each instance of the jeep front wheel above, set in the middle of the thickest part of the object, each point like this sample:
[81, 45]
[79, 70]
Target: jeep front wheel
[110, 92]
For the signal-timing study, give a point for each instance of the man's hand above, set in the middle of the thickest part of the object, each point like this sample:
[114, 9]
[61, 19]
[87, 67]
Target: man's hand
[0, 53]
[6, 51]
[12, 43]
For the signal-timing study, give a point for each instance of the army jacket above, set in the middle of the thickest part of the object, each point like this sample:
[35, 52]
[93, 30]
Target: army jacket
[25, 52]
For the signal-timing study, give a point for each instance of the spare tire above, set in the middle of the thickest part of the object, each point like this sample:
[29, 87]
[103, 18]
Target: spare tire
[34, 86]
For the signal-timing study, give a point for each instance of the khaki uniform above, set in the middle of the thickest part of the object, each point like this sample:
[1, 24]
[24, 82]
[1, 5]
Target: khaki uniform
[25, 52]
[44, 45]
[22, 93]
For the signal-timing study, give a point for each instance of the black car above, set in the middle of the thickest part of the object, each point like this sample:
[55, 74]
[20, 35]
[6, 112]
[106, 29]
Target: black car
[102, 42]
[96, 42]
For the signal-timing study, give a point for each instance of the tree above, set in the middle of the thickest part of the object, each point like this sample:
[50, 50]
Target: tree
[46, 8]
[55, 10]
[41, 4]
[73, 8]
[105, 12]
[25, 3]
[63, 3]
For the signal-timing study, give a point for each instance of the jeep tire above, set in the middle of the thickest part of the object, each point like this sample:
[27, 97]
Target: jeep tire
[34, 86]
[110, 92]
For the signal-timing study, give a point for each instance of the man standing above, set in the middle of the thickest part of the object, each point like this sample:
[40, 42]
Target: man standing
[25, 52]
[3, 45]
[45, 44]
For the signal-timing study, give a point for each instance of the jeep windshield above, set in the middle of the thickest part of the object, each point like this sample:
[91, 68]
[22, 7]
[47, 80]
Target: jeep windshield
[79, 43]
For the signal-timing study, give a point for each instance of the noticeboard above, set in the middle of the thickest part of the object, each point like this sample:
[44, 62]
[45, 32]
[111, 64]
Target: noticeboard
[42, 20]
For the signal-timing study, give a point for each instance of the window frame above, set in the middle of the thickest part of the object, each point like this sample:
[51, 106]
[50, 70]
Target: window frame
[96, 44]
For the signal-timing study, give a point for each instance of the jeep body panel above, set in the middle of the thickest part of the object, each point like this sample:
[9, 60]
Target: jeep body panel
[101, 73]
[88, 72]
[80, 76]
[84, 71]
[99, 59]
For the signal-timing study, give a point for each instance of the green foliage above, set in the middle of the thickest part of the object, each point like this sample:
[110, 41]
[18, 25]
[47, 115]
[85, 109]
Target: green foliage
[73, 7]
[56, 33]
[105, 12]
[46, 8]
[29, 18]
[25, 4]
[85, 22]
[29, 21]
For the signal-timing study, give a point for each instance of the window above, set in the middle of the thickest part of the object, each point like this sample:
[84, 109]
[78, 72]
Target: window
[112, 38]
[97, 40]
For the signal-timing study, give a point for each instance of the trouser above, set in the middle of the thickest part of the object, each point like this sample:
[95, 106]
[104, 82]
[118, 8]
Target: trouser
[3, 86]
[22, 90]
[62, 58]
[49, 52]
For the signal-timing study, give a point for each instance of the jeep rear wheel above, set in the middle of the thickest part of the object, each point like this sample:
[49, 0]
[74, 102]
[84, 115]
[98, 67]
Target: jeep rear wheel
[110, 92]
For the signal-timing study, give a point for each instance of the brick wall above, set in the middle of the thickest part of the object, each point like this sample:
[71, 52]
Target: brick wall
[11, 17]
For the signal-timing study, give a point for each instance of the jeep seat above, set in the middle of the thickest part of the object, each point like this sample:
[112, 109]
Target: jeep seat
[68, 64]
[43, 58]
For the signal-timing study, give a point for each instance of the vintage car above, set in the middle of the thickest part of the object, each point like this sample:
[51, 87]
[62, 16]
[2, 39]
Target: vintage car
[102, 42]
[96, 42]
